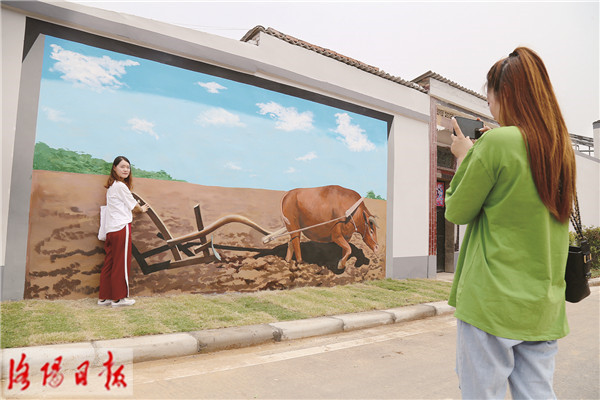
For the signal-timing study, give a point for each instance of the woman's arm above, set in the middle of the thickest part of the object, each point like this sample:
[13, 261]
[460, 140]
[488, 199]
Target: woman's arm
[128, 199]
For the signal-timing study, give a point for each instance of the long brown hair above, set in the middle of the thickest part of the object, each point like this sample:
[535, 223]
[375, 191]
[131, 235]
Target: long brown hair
[522, 88]
[114, 177]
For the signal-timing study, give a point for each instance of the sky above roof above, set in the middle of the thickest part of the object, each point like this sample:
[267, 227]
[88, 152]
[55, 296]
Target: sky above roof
[460, 41]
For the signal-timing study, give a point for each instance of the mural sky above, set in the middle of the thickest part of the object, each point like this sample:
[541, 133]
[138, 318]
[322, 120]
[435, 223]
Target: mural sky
[201, 128]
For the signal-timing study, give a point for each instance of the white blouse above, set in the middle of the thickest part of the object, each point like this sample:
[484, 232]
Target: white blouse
[119, 204]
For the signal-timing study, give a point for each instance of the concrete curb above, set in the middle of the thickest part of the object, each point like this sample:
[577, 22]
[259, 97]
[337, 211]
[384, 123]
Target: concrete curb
[230, 338]
[290, 330]
[147, 348]
[364, 320]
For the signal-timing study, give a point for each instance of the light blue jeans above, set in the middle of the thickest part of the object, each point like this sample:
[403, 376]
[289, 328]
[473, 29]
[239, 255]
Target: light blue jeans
[485, 363]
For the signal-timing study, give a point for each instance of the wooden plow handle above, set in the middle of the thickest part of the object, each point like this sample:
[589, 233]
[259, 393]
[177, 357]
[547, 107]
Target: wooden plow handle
[162, 228]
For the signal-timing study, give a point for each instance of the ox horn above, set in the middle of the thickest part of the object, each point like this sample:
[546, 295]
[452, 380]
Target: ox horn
[372, 219]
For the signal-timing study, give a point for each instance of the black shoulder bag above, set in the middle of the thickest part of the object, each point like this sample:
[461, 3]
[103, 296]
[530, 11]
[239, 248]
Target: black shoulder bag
[579, 262]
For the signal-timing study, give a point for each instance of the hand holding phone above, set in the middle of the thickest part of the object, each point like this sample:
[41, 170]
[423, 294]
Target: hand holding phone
[470, 127]
[460, 143]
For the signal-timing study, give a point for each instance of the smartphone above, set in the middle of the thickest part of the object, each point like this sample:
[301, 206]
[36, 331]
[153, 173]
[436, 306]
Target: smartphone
[470, 127]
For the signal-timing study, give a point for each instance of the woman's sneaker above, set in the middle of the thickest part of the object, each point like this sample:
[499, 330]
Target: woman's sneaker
[105, 302]
[123, 302]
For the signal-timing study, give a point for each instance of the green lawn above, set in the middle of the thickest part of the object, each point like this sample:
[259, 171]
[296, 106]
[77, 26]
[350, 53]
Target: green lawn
[40, 322]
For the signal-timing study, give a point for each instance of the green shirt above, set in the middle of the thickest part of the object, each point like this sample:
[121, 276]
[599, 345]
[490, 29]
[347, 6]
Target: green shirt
[509, 279]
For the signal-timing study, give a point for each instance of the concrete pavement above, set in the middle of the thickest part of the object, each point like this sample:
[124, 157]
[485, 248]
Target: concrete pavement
[146, 348]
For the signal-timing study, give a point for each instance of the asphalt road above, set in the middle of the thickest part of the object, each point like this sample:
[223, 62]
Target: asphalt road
[413, 360]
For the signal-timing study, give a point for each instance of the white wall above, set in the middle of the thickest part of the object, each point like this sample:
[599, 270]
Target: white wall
[588, 189]
[13, 29]
[411, 188]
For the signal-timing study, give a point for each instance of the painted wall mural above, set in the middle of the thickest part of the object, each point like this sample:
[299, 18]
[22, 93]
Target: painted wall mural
[224, 165]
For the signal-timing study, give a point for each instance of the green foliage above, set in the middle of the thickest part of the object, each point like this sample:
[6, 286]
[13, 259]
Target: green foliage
[160, 175]
[592, 234]
[48, 159]
[371, 195]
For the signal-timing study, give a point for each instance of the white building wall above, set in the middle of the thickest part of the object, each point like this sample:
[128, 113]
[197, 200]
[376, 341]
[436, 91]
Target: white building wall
[410, 200]
[272, 59]
[588, 189]
[13, 29]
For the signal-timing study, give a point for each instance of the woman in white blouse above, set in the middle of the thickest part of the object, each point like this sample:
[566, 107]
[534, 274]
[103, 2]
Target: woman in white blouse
[116, 225]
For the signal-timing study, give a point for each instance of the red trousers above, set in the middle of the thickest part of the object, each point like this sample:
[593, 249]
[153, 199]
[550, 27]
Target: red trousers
[114, 276]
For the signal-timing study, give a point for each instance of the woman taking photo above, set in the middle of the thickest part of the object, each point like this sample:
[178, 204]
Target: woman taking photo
[116, 225]
[514, 187]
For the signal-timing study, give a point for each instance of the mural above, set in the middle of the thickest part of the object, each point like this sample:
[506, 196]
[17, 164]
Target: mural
[249, 188]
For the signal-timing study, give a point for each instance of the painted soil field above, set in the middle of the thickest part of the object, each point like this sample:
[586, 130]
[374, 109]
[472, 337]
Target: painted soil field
[64, 256]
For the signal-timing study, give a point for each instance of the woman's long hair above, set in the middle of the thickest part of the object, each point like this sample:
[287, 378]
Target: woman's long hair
[522, 88]
[114, 177]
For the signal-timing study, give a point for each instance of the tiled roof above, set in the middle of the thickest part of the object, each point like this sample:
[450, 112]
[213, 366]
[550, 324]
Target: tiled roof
[250, 36]
[438, 77]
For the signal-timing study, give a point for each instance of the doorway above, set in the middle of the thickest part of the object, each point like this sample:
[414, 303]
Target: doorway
[441, 239]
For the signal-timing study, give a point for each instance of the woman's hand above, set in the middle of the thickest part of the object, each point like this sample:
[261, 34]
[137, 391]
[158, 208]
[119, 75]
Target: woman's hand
[139, 208]
[460, 143]
[485, 127]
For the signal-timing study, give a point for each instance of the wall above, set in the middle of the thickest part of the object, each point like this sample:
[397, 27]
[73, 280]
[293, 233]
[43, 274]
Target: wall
[410, 205]
[588, 188]
[273, 60]
[12, 51]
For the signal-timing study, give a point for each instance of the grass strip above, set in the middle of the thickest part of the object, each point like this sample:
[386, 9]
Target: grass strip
[42, 322]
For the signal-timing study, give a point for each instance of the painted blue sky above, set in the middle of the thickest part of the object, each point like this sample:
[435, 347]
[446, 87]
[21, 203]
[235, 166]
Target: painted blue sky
[201, 128]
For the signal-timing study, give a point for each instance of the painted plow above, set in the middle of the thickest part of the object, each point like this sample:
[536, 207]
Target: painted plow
[191, 249]
[196, 247]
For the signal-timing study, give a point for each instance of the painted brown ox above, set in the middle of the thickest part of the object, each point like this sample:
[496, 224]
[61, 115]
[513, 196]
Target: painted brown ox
[308, 207]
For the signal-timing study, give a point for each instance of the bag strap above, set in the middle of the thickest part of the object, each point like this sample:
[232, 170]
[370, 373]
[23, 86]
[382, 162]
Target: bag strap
[575, 218]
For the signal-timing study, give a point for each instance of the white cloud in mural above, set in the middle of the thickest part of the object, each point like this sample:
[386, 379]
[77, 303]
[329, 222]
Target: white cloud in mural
[142, 126]
[307, 157]
[290, 170]
[212, 87]
[96, 73]
[233, 166]
[54, 115]
[352, 135]
[219, 116]
[288, 118]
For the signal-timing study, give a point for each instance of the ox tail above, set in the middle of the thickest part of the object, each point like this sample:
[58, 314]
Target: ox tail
[283, 217]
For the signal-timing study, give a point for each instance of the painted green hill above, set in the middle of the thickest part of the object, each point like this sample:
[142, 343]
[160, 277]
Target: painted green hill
[371, 195]
[49, 159]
